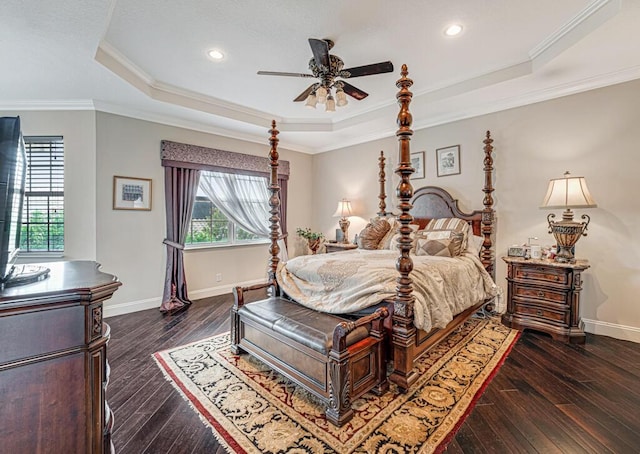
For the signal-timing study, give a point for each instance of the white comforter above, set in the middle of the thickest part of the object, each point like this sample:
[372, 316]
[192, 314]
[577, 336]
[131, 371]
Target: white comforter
[350, 281]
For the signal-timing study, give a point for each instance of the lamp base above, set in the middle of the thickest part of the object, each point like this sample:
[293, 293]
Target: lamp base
[567, 233]
[344, 225]
[565, 255]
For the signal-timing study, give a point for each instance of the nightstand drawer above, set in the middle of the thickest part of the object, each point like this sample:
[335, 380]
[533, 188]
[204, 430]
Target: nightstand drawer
[544, 294]
[545, 314]
[557, 276]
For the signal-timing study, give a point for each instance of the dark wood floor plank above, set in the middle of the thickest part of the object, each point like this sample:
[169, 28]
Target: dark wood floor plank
[548, 396]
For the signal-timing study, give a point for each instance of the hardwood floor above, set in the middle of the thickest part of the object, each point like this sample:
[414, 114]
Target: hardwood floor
[548, 397]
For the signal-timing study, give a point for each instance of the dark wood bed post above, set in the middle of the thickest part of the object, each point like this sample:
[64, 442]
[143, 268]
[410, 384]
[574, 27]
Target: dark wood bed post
[382, 179]
[274, 203]
[274, 249]
[404, 331]
[488, 213]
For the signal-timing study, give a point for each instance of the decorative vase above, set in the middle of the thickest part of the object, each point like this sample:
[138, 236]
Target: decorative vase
[314, 245]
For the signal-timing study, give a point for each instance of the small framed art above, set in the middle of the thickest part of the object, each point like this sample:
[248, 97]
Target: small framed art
[417, 162]
[131, 193]
[448, 160]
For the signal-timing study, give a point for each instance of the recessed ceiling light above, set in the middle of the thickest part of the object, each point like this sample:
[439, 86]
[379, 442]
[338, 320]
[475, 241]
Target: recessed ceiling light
[215, 54]
[453, 30]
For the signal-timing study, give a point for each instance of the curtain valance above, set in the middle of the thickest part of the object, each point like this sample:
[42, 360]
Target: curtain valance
[174, 154]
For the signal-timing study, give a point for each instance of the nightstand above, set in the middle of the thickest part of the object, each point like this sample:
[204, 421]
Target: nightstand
[544, 295]
[337, 247]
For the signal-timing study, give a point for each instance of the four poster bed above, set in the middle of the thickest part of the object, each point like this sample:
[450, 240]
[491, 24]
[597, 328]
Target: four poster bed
[329, 329]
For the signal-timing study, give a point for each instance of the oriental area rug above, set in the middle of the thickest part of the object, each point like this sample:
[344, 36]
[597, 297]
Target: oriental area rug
[252, 409]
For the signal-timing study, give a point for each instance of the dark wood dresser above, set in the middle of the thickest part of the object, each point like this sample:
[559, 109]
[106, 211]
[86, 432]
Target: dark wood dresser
[53, 362]
[545, 295]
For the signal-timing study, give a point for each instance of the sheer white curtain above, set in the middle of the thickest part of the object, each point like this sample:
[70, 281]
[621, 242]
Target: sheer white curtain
[244, 199]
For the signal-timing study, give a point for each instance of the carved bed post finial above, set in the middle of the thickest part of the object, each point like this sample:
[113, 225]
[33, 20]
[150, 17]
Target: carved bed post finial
[404, 331]
[381, 179]
[488, 213]
[274, 202]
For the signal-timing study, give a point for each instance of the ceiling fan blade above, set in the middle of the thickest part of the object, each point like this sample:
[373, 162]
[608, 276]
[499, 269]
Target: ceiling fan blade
[368, 70]
[302, 96]
[320, 49]
[276, 73]
[353, 91]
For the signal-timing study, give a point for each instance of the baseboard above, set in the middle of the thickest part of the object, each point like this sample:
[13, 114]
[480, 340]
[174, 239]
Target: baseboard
[111, 310]
[614, 330]
[221, 289]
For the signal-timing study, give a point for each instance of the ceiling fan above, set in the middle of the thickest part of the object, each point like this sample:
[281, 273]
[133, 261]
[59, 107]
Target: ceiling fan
[327, 68]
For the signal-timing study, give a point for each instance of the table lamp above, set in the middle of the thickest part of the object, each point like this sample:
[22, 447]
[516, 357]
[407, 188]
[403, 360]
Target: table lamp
[343, 212]
[567, 192]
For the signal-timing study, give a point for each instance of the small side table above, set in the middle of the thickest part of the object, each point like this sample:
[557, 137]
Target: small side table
[544, 295]
[337, 247]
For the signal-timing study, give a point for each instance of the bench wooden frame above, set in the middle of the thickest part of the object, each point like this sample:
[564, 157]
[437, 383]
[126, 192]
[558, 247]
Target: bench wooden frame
[337, 376]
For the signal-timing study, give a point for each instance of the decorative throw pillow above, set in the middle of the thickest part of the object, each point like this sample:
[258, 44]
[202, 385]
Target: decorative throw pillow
[386, 239]
[393, 241]
[443, 243]
[454, 224]
[371, 235]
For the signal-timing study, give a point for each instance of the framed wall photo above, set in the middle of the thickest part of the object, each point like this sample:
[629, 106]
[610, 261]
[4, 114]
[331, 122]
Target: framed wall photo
[448, 160]
[131, 193]
[417, 162]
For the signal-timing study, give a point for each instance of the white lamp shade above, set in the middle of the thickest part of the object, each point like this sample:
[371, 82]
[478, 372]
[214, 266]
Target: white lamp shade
[343, 210]
[312, 100]
[331, 104]
[321, 94]
[568, 192]
[341, 98]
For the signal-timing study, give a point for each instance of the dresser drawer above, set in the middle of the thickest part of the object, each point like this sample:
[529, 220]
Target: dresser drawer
[543, 274]
[544, 313]
[543, 294]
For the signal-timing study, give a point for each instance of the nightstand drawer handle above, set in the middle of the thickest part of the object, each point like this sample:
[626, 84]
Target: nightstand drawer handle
[557, 278]
[525, 274]
[539, 313]
[540, 293]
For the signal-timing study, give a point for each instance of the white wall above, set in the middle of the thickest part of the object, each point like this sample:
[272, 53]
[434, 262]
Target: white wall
[78, 129]
[130, 242]
[594, 134]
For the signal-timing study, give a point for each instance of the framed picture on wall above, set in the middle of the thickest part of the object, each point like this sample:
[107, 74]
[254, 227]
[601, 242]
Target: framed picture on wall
[417, 162]
[131, 193]
[448, 160]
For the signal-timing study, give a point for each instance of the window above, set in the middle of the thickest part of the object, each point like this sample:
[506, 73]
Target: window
[210, 227]
[43, 209]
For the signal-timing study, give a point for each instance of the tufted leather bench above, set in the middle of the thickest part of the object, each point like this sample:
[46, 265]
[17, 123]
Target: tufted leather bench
[335, 358]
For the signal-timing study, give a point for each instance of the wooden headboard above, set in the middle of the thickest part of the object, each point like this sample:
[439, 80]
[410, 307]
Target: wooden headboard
[432, 202]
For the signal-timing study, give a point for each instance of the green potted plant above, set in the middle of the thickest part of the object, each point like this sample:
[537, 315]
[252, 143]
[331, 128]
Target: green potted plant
[313, 238]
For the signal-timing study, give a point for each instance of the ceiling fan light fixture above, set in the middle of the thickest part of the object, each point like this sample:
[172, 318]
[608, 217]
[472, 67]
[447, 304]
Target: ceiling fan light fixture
[331, 104]
[321, 93]
[341, 98]
[312, 100]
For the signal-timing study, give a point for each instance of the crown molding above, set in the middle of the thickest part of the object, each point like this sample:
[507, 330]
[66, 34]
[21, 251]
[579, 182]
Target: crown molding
[259, 137]
[48, 104]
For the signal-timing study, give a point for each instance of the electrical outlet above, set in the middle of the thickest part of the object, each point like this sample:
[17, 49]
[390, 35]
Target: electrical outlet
[218, 277]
